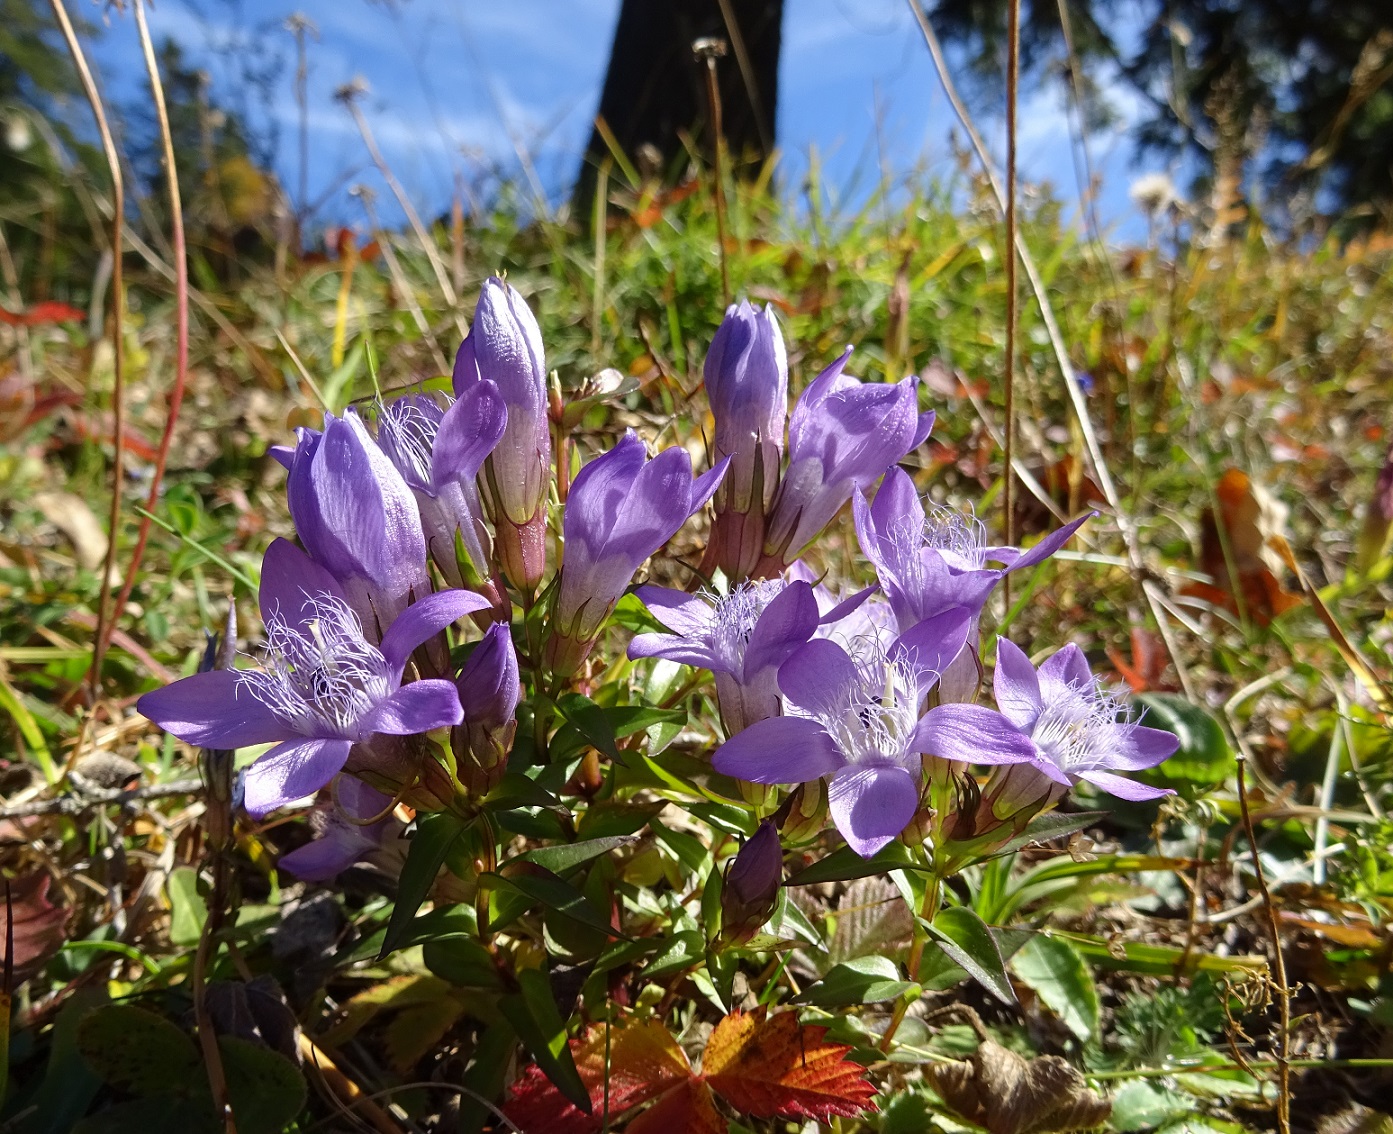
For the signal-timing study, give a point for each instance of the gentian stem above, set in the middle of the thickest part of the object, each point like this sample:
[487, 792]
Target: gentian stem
[928, 910]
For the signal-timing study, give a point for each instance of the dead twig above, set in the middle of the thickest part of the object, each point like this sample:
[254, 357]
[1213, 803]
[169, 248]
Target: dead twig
[1279, 967]
[181, 317]
[118, 360]
[75, 803]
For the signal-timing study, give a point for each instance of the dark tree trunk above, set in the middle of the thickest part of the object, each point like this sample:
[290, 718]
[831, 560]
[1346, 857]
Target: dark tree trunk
[654, 98]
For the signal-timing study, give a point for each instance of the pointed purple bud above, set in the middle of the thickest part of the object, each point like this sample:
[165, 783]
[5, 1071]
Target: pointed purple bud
[746, 375]
[843, 435]
[751, 887]
[358, 519]
[622, 508]
[489, 691]
[505, 347]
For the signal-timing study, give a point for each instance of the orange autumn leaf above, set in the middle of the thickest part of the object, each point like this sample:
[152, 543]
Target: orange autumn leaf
[644, 1061]
[772, 1065]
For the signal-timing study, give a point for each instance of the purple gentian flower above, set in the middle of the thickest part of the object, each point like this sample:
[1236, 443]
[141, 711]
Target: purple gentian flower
[621, 509]
[439, 452]
[1060, 716]
[324, 687]
[358, 519]
[858, 722]
[851, 624]
[344, 834]
[843, 435]
[504, 346]
[742, 638]
[489, 692]
[926, 564]
[746, 374]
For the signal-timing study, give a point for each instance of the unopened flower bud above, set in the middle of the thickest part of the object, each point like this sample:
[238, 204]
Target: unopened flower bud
[746, 374]
[921, 828]
[761, 797]
[504, 346]
[489, 692]
[751, 887]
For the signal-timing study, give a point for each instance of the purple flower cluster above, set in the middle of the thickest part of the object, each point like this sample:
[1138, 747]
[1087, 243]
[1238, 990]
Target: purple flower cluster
[405, 528]
[431, 513]
[870, 694]
[843, 435]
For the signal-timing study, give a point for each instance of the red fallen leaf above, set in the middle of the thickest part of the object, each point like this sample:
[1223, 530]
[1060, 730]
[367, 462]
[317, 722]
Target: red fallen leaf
[771, 1066]
[1147, 669]
[133, 443]
[40, 927]
[17, 400]
[688, 1109]
[652, 213]
[49, 311]
[764, 1066]
[1242, 568]
[644, 1061]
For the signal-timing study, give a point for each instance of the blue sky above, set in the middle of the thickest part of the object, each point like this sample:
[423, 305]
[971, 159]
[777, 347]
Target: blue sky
[455, 85]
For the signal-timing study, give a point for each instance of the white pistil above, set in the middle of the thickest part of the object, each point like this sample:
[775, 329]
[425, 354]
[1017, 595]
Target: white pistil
[873, 720]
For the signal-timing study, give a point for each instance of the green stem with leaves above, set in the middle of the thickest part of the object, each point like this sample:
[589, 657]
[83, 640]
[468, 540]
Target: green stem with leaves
[928, 910]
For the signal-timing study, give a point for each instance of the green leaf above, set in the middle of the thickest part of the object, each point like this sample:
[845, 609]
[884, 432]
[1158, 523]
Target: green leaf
[966, 939]
[1160, 960]
[157, 1114]
[1052, 825]
[517, 790]
[533, 1013]
[682, 951]
[188, 911]
[138, 1051]
[590, 721]
[788, 920]
[492, 1055]
[711, 892]
[566, 856]
[555, 894]
[265, 1089]
[844, 863]
[1142, 1105]
[626, 720]
[436, 924]
[866, 980]
[690, 851]
[630, 613]
[462, 961]
[609, 818]
[435, 835]
[1059, 976]
[1204, 757]
[69, 1082]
